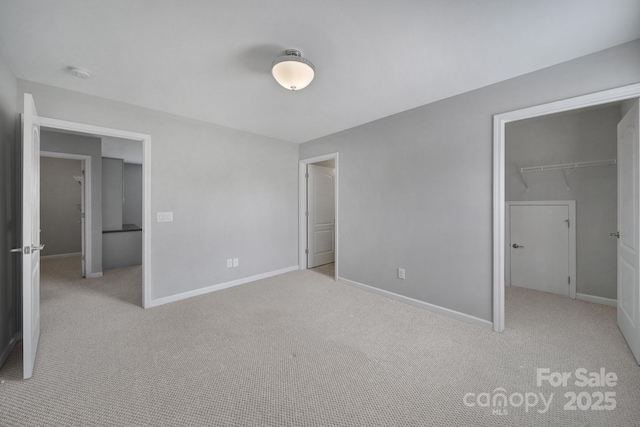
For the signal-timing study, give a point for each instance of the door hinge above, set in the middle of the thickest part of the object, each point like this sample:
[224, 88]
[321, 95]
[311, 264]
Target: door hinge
[306, 251]
[306, 213]
[569, 280]
[306, 175]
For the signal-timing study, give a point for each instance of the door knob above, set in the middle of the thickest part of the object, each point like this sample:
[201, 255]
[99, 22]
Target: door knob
[516, 246]
[37, 248]
[616, 234]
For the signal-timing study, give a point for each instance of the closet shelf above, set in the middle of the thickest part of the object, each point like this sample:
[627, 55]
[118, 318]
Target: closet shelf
[563, 167]
[568, 166]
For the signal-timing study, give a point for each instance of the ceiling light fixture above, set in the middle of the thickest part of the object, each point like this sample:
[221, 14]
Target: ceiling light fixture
[81, 73]
[292, 71]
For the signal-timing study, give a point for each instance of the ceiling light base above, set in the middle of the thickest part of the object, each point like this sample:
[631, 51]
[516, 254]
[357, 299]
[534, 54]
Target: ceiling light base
[81, 73]
[292, 71]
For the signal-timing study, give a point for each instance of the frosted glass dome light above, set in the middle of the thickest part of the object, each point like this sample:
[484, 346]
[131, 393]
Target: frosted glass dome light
[292, 71]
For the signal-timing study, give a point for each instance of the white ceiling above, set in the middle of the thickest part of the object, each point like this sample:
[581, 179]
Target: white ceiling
[211, 60]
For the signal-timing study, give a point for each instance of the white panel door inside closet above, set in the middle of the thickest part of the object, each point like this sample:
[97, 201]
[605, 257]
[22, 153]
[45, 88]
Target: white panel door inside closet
[539, 247]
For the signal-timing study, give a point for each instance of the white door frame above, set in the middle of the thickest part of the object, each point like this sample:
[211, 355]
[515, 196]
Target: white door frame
[571, 204]
[302, 199]
[499, 123]
[64, 125]
[86, 165]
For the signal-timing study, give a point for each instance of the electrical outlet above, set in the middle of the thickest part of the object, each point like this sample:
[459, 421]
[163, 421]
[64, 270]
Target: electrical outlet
[235, 262]
[229, 263]
[401, 273]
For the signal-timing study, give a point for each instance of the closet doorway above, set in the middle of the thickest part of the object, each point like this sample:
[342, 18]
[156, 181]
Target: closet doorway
[65, 195]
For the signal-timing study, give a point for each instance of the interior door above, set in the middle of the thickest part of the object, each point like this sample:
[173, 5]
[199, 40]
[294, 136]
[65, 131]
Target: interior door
[30, 234]
[321, 215]
[628, 230]
[539, 247]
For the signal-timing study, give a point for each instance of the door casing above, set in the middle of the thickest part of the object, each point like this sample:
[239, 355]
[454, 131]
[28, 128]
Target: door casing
[302, 208]
[499, 218]
[71, 127]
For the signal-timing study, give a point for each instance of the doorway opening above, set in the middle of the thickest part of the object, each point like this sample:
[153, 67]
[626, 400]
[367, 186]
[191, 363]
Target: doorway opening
[65, 193]
[318, 225]
[73, 128]
[499, 177]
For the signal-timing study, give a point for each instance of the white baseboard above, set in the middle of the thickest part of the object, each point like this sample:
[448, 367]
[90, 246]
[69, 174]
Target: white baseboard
[94, 275]
[220, 286]
[12, 343]
[421, 304]
[61, 255]
[598, 300]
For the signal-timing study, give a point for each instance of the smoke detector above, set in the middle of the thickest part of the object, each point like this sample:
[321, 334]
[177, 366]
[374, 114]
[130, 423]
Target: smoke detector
[81, 73]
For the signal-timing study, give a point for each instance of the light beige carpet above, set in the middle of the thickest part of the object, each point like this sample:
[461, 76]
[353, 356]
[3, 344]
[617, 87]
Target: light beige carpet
[326, 269]
[302, 350]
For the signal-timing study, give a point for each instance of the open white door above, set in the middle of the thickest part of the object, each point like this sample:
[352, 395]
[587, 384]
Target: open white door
[629, 230]
[30, 234]
[321, 215]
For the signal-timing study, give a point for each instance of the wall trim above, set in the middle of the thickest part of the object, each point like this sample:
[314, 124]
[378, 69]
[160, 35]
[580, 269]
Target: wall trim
[499, 124]
[597, 300]
[97, 275]
[61, 255]
[476, 321]
[7, 351]
[197, 292]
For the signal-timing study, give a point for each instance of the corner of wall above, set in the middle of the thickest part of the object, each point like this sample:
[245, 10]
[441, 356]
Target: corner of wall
[10, 301]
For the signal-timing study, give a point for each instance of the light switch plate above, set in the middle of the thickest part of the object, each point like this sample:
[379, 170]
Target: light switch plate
[165, 216]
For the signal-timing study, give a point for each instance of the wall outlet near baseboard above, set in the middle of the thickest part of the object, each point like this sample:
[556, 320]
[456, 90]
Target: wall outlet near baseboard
[229, 263]
[401, 274]
[236, 262]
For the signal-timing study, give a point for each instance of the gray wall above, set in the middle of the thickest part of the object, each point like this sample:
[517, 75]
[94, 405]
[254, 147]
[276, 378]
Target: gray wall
[112, 193]
[60, 198]
[579, 136]
[233, 194]
[10, 300]
[416, 187]
[88, 146]
[132, 207]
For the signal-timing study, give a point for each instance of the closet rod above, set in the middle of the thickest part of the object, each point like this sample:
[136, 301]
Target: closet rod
[562, 167]
[569, 165]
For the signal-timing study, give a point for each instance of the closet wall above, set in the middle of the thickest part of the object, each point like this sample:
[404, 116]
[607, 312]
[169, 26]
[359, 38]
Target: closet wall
[577, 136]
[121, 202]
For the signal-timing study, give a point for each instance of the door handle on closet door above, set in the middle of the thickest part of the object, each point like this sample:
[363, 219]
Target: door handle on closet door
[516, 246]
